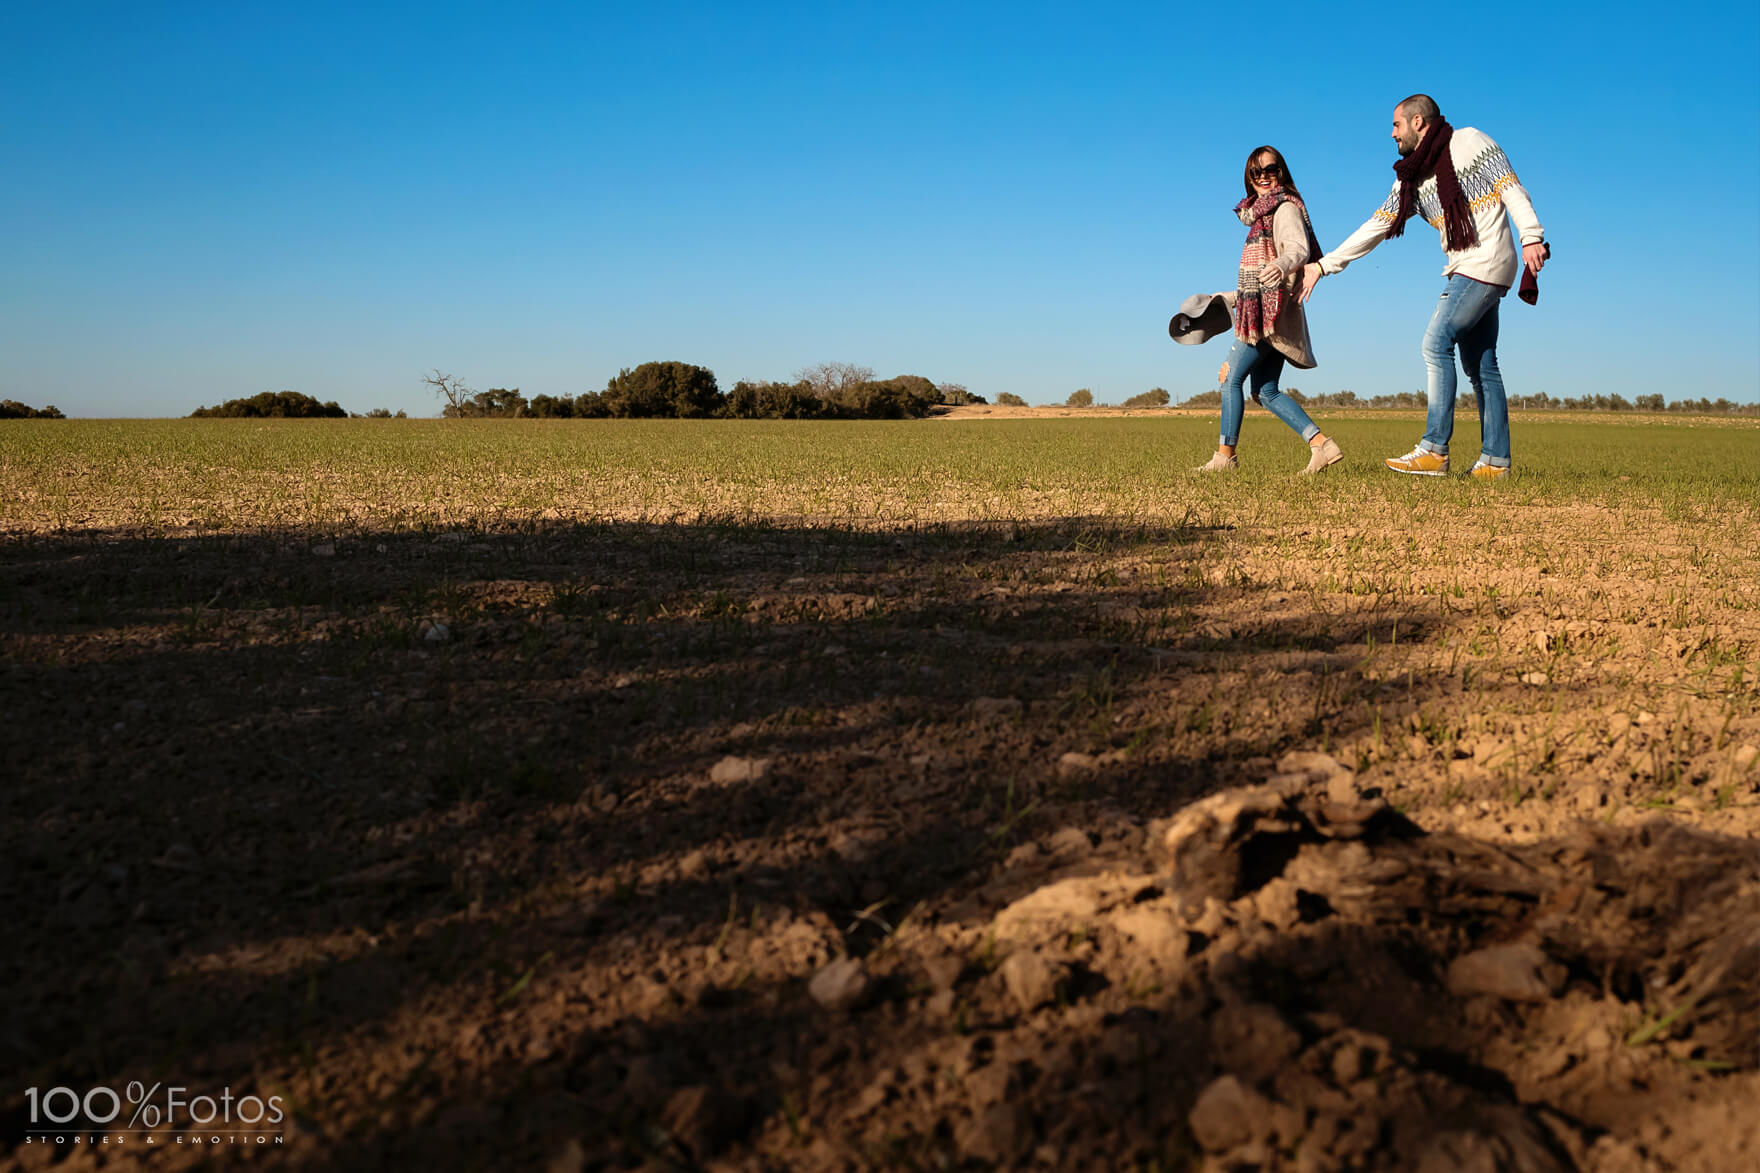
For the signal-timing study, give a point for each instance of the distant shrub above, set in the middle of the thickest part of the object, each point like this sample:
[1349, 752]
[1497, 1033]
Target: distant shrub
[384, 413]
[1154, 397]
[773, 401]
[956, 395]
[12, 409]
[1010, 399]
[495, 403]
[904, 397]
[1080, 398]
[272, 405]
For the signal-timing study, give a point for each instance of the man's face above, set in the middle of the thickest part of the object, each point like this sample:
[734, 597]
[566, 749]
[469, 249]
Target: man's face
[1407, 131]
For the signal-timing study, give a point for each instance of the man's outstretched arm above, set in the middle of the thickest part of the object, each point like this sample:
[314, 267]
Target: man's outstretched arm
[1356, 246]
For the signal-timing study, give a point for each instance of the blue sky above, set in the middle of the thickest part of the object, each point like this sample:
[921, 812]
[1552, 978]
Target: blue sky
[205, 201]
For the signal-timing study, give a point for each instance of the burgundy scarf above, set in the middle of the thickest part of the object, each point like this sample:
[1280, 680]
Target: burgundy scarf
[1256, 306]
[1432, 158]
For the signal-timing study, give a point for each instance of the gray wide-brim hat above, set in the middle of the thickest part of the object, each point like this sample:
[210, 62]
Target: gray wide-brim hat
[1201, 317]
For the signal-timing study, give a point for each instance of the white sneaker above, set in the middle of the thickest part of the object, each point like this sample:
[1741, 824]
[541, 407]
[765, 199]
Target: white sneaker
[1218, 463]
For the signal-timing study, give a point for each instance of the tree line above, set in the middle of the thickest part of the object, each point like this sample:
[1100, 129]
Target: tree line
[1539, 401]
[12, 409]
[679, 390]
[825, 391]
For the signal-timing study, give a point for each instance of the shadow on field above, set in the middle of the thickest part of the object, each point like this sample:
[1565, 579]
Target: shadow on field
[410, 825]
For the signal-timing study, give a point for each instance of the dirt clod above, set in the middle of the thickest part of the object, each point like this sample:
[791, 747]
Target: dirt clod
[1511, 972]
[841, 985]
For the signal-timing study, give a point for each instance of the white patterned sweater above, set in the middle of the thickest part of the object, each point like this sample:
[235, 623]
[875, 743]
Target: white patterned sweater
[1491, 188]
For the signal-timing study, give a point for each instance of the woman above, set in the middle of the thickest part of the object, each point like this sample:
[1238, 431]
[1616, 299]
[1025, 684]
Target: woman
[1270, 327]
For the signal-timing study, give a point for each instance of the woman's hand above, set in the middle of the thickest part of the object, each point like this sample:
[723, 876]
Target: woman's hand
[1310, 277]
[1271, 274]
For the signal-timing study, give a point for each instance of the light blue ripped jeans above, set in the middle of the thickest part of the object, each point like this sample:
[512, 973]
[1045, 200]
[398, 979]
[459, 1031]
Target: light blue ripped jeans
[1264, 364]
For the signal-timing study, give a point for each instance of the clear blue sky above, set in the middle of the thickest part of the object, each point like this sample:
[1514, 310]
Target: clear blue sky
[204, 201]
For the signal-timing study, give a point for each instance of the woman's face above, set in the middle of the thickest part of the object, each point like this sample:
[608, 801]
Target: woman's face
[1266, 175]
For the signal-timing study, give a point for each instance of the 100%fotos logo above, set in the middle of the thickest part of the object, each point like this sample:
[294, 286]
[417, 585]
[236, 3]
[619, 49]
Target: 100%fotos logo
[101, 1106]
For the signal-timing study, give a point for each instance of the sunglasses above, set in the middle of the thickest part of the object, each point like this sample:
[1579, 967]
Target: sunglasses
[1258, 173]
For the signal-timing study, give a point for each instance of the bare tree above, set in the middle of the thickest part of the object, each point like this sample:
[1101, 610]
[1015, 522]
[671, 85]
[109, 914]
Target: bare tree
[829, 380]
[451, 389]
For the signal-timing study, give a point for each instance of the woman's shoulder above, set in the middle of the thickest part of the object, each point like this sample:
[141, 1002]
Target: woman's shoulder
[1291, 207]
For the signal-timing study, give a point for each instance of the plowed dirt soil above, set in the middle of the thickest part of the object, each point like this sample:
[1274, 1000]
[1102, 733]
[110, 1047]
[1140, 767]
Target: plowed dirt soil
[1235, 839]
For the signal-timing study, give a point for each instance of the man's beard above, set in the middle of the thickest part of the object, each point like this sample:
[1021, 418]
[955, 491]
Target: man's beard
[1405, 150]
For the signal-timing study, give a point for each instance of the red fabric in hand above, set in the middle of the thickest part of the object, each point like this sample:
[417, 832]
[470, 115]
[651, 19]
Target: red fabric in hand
[1530, 290]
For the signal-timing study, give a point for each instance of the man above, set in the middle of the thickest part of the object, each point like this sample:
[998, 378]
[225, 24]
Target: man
[1461, 182]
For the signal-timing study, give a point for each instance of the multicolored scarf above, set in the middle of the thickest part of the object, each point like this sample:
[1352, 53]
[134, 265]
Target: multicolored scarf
[1432, 158]
[1256, 306]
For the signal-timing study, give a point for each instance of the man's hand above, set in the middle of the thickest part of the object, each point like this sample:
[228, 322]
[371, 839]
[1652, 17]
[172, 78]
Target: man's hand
[1534, 257]
[1311, 275]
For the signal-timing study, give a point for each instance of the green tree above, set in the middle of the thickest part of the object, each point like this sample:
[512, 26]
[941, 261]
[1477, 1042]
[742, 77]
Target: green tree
[1010, 399]
[663, 389]
[903, 397]
[1080, 398]
[1154, 397]
[550, 407]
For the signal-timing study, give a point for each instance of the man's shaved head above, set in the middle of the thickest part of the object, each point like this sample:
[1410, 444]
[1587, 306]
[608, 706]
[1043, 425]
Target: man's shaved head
[1420, 104]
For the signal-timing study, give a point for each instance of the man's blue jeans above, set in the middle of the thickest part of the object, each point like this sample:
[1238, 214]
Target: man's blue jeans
[1265, 364]
[1466, 317]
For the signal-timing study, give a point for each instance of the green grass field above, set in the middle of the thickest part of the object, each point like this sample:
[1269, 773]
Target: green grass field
[229, 474]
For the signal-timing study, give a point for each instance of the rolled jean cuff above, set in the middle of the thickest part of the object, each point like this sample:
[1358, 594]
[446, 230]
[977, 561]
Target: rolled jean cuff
[1494, 461]
[1231, 441]
[1309, 432]
[1439, 449]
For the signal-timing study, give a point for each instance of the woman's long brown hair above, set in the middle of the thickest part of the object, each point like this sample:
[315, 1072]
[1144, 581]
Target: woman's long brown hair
[1289, 183]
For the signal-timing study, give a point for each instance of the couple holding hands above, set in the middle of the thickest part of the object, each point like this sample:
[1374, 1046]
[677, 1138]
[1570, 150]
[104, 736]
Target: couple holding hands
[1461, 182]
